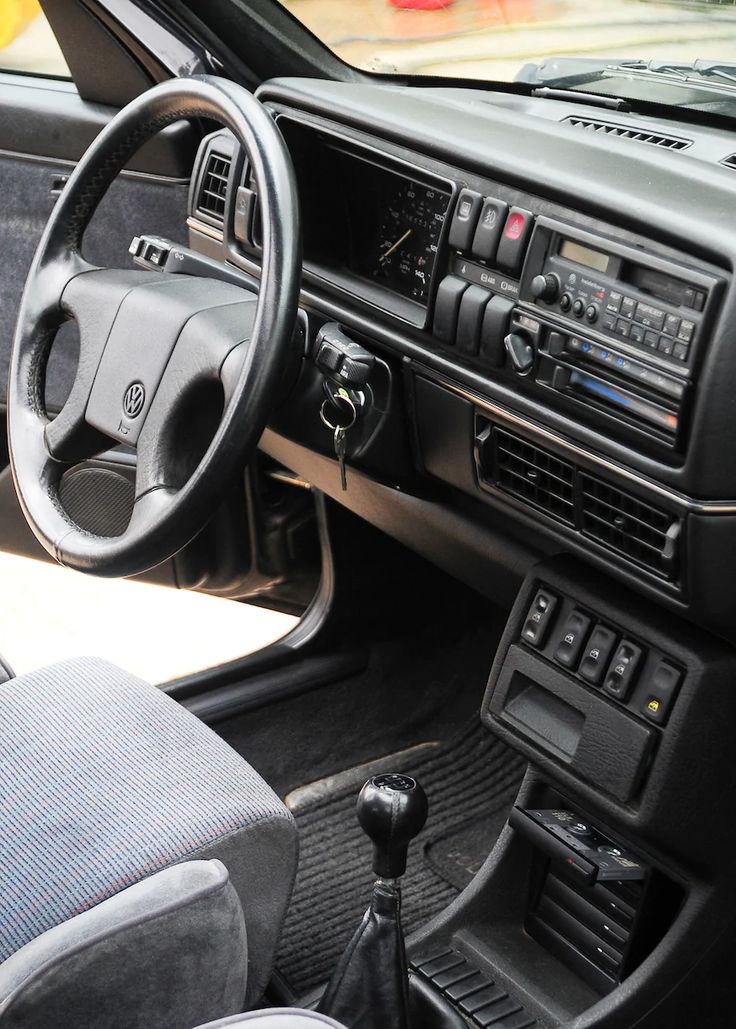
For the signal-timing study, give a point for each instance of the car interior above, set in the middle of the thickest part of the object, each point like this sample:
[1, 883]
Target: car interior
[444, 367]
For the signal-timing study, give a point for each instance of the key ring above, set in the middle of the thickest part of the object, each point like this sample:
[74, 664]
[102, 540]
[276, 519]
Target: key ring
[352, 409]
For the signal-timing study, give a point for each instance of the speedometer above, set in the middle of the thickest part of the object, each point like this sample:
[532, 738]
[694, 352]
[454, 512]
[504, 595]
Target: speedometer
[408, 232]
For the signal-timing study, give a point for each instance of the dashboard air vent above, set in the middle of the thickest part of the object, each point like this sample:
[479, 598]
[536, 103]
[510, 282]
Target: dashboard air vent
[637, 135]
[213, 188]
[535, 475]
[643, 533]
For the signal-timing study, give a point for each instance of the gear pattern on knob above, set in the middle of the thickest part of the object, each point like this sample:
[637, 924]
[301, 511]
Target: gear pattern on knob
[394, 781]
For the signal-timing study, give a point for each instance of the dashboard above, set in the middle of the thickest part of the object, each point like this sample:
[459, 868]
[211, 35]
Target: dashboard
[548, 297]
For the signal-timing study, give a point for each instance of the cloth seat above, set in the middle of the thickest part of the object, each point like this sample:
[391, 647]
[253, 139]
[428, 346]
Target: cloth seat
[106, 781]
[169, 950]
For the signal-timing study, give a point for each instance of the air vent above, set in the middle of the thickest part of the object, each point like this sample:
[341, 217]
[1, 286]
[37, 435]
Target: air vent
[729, 162]
[534, 475]
[642, 533]
[213, 188]
[639, 531]
[637, 135]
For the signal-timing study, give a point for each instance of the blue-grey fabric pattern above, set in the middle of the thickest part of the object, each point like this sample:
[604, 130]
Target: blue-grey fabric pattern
[105, 780]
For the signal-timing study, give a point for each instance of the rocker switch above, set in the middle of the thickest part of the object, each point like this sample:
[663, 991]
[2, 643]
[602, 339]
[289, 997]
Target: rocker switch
[622, 670]
[572, 639]
[539, 617]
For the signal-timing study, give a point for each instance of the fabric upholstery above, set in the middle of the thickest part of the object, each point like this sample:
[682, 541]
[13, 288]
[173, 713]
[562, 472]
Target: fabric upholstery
[162, 954]
[277, 1018]
[105, 780]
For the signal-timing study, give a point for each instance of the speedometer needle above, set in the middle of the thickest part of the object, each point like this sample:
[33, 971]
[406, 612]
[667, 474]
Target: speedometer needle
[396, 244]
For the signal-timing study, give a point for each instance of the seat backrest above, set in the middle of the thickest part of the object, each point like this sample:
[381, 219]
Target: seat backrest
[168, 952]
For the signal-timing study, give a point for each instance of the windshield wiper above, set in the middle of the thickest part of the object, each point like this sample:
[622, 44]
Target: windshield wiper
[685, 71]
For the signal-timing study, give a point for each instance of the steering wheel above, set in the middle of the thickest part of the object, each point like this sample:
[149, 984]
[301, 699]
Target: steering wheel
[153, 348]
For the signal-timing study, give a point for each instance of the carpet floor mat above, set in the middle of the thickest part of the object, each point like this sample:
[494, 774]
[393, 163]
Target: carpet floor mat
[471, 781]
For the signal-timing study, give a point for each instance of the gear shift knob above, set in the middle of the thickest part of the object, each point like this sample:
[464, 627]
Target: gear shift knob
[392, 810]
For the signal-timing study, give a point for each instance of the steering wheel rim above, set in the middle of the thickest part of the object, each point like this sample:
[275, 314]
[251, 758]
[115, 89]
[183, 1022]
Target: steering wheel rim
[164, 519]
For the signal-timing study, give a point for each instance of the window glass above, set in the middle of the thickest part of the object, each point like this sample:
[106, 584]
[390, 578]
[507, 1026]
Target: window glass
[27, 43]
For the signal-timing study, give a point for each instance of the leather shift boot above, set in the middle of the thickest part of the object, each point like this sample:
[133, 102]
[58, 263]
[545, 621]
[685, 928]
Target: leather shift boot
[369, 988]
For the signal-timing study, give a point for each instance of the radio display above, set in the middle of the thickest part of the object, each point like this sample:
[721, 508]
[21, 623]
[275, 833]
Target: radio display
[584, 255]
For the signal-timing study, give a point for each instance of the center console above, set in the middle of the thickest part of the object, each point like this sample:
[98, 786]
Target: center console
[596, 901]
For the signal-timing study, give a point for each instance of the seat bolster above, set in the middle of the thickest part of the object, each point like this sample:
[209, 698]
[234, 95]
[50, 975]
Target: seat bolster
[276, 1018]
[168, 952]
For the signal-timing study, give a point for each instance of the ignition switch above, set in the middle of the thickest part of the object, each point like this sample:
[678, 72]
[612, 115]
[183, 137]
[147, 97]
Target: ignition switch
[340, 358]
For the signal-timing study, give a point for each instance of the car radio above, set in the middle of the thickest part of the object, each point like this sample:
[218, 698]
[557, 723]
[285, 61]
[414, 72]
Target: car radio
[615, 327]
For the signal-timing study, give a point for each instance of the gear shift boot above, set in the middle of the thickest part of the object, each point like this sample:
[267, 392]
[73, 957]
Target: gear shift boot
[369, 988]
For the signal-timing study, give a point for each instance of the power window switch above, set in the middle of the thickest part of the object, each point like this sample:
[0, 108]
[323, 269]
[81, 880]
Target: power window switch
[622, 670]
[597, 654]
[539, 618]
[661, 693]
[572, 639]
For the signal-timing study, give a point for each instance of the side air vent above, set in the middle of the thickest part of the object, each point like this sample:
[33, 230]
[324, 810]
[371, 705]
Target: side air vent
[637, 135]
[534, 475]
[213, 186]
[644, 534]
[729, 162]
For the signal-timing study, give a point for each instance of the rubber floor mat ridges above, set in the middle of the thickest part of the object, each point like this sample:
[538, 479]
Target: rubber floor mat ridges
[471, 781]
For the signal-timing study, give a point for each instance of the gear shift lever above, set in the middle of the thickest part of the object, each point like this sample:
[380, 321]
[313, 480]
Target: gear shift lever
[392, 810]
[369, 988]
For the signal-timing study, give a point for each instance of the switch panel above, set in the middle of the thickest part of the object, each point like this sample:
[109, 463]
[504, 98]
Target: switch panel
[602, 657]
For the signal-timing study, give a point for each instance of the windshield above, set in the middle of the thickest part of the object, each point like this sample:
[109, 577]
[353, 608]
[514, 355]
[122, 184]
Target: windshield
[533, 40]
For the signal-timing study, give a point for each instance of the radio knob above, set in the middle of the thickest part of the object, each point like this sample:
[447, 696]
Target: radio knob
[578, 308]
[591, 312]
[545, 287]
[565, 302]
[520, 351]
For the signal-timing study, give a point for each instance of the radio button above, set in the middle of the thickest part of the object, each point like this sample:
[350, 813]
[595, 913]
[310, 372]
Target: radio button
[695, 299]
[608, 322]
[665, 345]
[680, 351]
[651, 339]
[637, 333]
[628, 307]
[613, 302]
[687, 331]
[565, 302]
[622, 328]
[492, 218]
[465, 219]
[672, 325]
[650, 316]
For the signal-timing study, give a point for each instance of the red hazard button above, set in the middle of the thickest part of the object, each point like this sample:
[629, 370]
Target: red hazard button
[514, 226]
[514, 239]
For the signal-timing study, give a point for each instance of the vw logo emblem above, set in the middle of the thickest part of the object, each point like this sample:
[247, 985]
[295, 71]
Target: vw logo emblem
[133, 400]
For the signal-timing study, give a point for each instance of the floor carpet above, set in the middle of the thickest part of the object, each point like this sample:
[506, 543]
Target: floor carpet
[471, 781]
